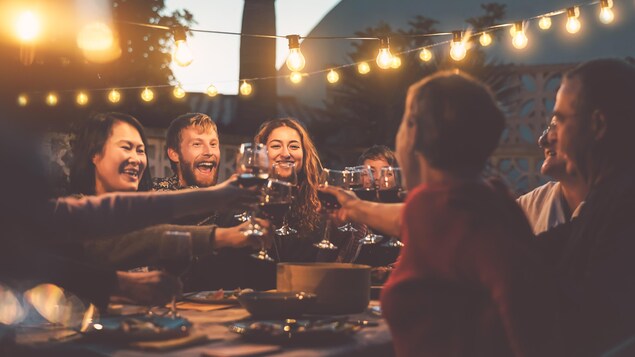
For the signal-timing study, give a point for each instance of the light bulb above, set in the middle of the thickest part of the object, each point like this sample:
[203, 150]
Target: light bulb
[51, 99]
[606, 13]
[27, 26]
[245, 88]
[147, 94]
[212, 91]
[512, 30]
[295, 59]
[95, 36]
[519, 40]
[114, 96]
[295, 77]
[457, 47]
[23, 100]
[178, 92]
[396, 62]
[485, 39]
[363, 68]
[573, 24]
[544, 23]
[81, 99]
[384, 57]
[182, 54]
[425, 55]
[332, 76]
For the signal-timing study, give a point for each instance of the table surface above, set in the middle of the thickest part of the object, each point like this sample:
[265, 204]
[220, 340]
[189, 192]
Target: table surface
[368, 341]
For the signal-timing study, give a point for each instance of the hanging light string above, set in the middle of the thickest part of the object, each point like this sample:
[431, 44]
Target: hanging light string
[383, 40]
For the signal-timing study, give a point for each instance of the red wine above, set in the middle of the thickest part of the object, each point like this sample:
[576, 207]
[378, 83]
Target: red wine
[275, 211]
[366, 194]
[391, 195]
[328, 201]
[248, 180]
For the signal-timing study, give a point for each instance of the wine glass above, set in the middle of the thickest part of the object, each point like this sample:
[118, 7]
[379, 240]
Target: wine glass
[328, 202]
[353, 182]
[285, 172]
[175, 257]
[252, 167]
[390, 191]
[366, 189]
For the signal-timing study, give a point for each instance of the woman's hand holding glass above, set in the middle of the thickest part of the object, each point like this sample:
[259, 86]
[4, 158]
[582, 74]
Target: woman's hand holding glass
[328, 202]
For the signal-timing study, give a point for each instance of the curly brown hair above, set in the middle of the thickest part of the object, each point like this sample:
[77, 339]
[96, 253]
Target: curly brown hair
[305, 209]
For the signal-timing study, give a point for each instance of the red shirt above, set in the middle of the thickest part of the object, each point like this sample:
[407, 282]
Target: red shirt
[466, 282]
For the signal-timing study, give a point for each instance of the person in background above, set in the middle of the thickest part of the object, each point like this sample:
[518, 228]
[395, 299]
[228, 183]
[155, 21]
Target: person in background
[468, 281]
[558, 201]
[377, 156]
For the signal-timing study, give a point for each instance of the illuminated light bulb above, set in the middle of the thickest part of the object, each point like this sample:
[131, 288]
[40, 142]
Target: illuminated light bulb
[573, 23]
[457, 47]
[520, 40]
[425, 55]
[295, 59]
[178, 92]
[51, 99]
[114, 96]
[147, 94]
[95, 36]
[544, 23]
[212, 91]
[606, 13]
[81, 99]
[27, 26]
[245, 88]
[182, 53]
[363, 68]
[485, 39]
[396, 62]
[512, 30]
[295, 77]
[23, 100]
[332, 76]
[384, 57]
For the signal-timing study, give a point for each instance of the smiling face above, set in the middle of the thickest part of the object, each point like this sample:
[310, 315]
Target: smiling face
[554, 165]
[198, 157]
[284, 144]
[121, 163]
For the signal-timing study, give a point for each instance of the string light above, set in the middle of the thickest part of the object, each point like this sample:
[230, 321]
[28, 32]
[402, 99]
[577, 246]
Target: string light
[147, 94]
[332, 77]
[384, 57]
[51, 99]
[295, 77]
[27, 26]
[23, 100]
[212, 91]
[425, 55]
[520, 40]
[81, 99]
[544, 23]
[606, 13]
[485, 39]
[295, 59]
[114, 96]
[457, 47]
[573, 23]
[363, 68]
[178, 92]
[245, 88]
[182, 53]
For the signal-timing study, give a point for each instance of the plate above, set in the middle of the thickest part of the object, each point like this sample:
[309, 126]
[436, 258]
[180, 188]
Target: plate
[139, 328]
[217, 296]
[297, 332]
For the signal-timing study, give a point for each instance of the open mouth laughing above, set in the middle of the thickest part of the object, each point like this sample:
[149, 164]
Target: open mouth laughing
[206, 167]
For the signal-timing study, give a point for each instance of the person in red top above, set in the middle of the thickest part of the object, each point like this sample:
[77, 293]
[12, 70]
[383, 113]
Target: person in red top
[467, 282]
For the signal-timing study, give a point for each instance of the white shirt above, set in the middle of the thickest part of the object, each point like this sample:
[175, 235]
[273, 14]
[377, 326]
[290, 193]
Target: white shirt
[546, 207]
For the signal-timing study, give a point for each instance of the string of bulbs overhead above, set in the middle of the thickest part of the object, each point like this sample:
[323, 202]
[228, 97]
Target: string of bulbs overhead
[296, 62]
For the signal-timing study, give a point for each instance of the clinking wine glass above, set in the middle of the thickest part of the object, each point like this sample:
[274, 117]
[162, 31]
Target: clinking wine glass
[252, 167]
[390, 191]
[175, 257]
[353, 182]
[285, 172]
[365, 188]
[328, 202]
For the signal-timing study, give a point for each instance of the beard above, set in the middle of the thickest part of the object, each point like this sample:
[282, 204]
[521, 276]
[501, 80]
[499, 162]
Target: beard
[188, 171]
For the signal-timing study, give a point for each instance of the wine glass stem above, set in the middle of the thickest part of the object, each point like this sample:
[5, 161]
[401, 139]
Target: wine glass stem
[173, 308]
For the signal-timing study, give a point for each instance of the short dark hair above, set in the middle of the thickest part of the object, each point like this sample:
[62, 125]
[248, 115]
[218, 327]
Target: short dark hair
[458, 121]
[89, 141]
[608, 85]
[377, 152]
[173, 135]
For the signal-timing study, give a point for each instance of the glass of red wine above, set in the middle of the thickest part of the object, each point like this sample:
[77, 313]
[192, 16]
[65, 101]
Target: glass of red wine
[366, 189]
[252, 167]
[328, 202]
[390, 191]
[284, 173]
[175, 257]
[353, 183]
